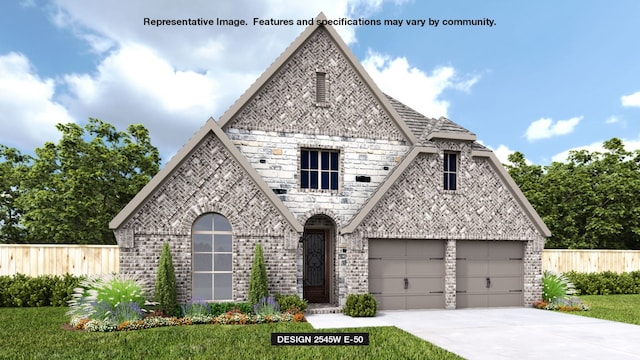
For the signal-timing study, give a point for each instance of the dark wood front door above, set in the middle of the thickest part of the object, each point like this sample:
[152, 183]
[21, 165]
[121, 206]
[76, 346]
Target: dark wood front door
[316, 266]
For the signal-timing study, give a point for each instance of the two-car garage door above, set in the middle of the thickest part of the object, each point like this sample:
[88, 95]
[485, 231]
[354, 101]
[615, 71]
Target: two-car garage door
[409, 274]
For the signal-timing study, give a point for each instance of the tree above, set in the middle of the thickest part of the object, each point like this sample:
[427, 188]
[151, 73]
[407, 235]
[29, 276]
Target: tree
[69, 191]
[165, 292]
[590, 201]
[258, 282]
[11, 170]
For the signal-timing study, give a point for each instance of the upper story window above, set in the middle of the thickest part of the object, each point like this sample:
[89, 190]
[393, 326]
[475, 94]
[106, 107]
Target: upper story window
[319, 169]
[450, 170]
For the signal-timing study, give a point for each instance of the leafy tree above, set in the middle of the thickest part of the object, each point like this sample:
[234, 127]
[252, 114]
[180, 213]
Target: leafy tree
[258, 282]
[69, 191]
[12, 167]
[165, 294]
[590, 201]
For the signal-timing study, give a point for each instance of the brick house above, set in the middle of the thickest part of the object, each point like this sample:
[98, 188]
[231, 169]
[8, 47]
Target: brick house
[347, 189]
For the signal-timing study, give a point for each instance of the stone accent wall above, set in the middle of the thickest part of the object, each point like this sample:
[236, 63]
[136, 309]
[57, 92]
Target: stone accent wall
[208, 180]
[276, 157]
[287, 102]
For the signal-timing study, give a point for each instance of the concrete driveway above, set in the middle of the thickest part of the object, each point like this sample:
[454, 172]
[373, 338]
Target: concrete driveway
[506, 333]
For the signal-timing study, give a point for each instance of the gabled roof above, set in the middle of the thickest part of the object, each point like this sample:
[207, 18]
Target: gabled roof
[478, 151]
[425, 128]
[209, 127]
[290, 51]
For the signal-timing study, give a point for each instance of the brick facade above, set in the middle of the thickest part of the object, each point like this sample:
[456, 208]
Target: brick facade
[404, 198]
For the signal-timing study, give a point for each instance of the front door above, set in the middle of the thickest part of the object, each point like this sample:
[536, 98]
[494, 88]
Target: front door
[316, 266]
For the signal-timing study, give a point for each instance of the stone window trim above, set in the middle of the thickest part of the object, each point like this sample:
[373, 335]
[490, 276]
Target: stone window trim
[321, 88]
[340, 171]
[214, 230]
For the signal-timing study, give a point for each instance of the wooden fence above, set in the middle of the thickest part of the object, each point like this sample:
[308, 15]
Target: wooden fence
[34, 260]
[37, 260]
[588, 261]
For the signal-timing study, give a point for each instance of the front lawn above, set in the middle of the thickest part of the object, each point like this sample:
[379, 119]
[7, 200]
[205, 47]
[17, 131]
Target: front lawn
[36, 333]
[621, 308]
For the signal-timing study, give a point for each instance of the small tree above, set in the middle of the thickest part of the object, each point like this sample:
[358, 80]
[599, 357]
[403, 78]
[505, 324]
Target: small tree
[165, 294]
[258, 283]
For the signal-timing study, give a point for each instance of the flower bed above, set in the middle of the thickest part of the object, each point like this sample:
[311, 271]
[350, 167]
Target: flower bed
[233, 317]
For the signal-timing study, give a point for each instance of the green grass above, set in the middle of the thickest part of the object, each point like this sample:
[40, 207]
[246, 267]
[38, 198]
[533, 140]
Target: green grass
[621, 308]
[36, 333]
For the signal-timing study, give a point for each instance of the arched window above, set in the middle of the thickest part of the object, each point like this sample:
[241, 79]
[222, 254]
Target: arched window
[212, 258]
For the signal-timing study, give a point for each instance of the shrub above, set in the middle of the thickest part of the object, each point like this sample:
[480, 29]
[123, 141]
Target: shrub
[165, 291]
[555, 286]
[291, 303]
[223, 307]
[258, 282]
[358, 305]
[110, 300]
[44, 290]
[266, 306]
[605, 283]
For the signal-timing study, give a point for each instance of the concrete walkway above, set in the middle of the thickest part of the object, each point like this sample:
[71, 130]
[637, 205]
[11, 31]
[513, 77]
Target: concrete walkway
[506, 333]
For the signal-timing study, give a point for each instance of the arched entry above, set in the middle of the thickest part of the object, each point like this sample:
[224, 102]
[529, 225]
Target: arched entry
[317, 244]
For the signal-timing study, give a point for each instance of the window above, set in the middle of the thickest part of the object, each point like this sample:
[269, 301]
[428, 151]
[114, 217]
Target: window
[321, 87]
[212, 256]
[319, 169]
[450, 169]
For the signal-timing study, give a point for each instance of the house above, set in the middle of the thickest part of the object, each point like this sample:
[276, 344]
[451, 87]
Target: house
[347, 189]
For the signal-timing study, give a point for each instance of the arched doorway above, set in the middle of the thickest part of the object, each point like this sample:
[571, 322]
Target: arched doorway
[318, 257]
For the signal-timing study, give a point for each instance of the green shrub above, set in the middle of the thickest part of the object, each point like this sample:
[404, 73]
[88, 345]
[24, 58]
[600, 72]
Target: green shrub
[111, 300]
[258, 282]
[223, 307]
[359, 305]
[556, 287]
[165, 292]
[606, 283]
[291, 303]
[45, 290]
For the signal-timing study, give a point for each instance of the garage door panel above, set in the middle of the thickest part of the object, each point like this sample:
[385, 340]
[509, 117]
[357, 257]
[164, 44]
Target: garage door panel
[425, 249]
[506, 250]
[384, 267]
[505, 267]
[434, 301]
[424, 285]
[387, 248]
[386, 285]
[502, 284]
[506, 299]
[472, 300]
[425, 267]
[472, 267]
[386, 302]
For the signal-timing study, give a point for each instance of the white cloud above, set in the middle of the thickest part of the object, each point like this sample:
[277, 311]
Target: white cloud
[173, 78]
[413, 86]
[629, 145]
[631, 100]
[546, 128]
[502, 153]
[612, 120]
[29, 112]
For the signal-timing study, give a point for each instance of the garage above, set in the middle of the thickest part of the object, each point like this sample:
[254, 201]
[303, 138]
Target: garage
[407, 274]
[489, 274]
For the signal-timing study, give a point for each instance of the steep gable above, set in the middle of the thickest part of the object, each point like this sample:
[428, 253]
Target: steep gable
[284, 98]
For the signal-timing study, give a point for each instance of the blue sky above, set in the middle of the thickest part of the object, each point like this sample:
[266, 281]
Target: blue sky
[548, 77]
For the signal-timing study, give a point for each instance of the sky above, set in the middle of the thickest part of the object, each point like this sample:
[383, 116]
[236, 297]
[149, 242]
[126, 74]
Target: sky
[540, 77]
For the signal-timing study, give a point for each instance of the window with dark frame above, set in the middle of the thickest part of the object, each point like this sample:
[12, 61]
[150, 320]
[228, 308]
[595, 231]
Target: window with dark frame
[450, 170]
[319, 169]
